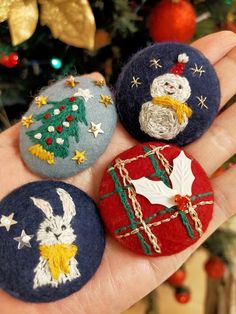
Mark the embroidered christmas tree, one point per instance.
(59, 123)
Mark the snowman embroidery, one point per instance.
(167, 114)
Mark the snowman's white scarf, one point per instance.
(181, 109)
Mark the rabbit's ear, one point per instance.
(68, 205)
(44, 206)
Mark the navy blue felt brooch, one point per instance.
(51, 241)
(169, 92)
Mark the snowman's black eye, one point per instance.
(180, 87)
(48, 229)
(63, 227)
(166, 84)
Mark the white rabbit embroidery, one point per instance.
(57, 263)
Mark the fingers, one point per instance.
(218, 144)
(95, 76)
(216, 46)
(225, 69)
(223, 56)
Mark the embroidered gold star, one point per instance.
(95, 129)
(41, 100)
(7, 221)
(27, 121)
(79, 157)
(100, 83)
(106, 100)
(71, 82)
(135, 82)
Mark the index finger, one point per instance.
(220, 49)
(216, 46)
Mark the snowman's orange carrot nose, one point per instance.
(180, 108)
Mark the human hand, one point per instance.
(124, 277)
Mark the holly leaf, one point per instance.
(155, 191)
(181, 176)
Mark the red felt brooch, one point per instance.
(156, 199)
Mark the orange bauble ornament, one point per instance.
(215, 267)
(177, 278)
(182, 295)
(172, 20)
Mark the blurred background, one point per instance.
(44, 40)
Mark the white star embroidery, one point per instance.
(7, 221)
(197, 70)
(135, 82)
(85, 93)
(24, 240)
(202, 101)
(155, 63)
(95, 129)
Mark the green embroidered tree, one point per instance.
(59, 123)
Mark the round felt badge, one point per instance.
(67, 127)
(155, 199)
(51, 241)
(169, 92)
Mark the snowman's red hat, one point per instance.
(179, 67)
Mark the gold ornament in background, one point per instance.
(22, 20)
(4, 9)
(22, 16)
(71, 21)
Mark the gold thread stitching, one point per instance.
(151, 152)
(135, 204)
(157, 223)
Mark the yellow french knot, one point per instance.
(38, 151)
(58, 257)
(180, 108)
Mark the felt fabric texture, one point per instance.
(120, 213)
(18, 266)
(93, 147)
(159, 60)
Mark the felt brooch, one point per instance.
(155, 199)
(67, 127)
(173, 94)
(48, 232)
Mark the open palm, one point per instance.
(124, 277)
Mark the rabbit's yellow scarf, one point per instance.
(180, 108)
(58, 257)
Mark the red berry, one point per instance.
(14, 59)
(49, 140)
(215, 267)
(177, 278)
(182, 201)
(59, 128)
(62, 107)
(4, 60)
(69, 118)
(71, 99)
(47, 116)
(182, 295)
